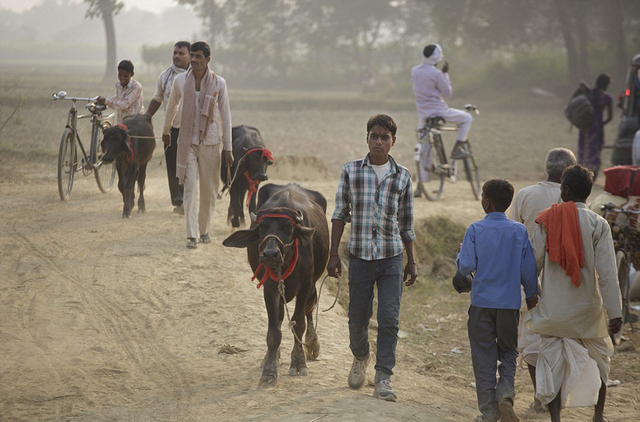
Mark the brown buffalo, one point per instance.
(289, 238)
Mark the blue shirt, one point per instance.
(499, 251)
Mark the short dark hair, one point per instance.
(201, 46)
(126, 65)
(428, 50)
(384, 121)
(183, 44)
(579, 179)
(499, 192)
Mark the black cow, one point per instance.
(131, 154)
(289, 217)
(251, 158)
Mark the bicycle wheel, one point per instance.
(430, 173)
(473, 176)
(623, 281)
(105, 173)
(67, 163)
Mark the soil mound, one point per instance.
(298, 168)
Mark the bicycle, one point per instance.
(68, 164)
(622, 233)
(431, 160)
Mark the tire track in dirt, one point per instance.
(121, 328)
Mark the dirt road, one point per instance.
(105, 319)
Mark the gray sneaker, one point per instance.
(358, 373)
(384, 391)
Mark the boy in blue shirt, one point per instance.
(498, 251)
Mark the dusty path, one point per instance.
(104, 319)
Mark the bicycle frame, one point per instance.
(89, 161)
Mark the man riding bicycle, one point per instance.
(429, 86)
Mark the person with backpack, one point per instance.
(591, 136)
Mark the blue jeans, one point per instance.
(363, 275)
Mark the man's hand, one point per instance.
(334, 266)
(101, 100)
(445, 67)
(615, 325)
(410, 271)
(531, 303)
(166, 139)
(228, 158)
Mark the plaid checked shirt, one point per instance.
(381, 215)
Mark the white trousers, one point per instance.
(203, 163)
(460, 118)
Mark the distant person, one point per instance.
(375, 196)
(525, 208)
(498, 251)
(128, 100)
(591, 139)
(580, 303)
(204, 102)
(429, 86)
(163, 91)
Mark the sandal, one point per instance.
(192, 243)
(205, 238)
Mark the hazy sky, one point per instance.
(150, 5)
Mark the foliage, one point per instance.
(155, 54)
(99, 8)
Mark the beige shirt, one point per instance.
(163, 90)
(128, 99)
(529, 201)
(222, 112)
(578, 312)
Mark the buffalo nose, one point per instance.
(262, 177)
(271, 255)
(107, 159)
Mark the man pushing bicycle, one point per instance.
(429, 86)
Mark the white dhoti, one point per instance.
(578, 366)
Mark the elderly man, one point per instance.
(204, 103)
(578, 308)
(526, 206)
(163, 91)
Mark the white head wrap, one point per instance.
(435, 57)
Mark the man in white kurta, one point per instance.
(575, 321)
(526, 206)
(202, 157)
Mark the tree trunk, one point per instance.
(614, 18)
(582, 36)
(570, 45)
(110, 34)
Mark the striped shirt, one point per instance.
(381, 214)
(128, 99)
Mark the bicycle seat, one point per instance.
(434, 122)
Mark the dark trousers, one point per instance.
(363, 276)
(176, 190)
(493, 335)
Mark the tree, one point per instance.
(106, 9)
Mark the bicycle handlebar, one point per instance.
(62, 95)
(612, 208)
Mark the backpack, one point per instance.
(580, 111)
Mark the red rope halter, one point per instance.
(268, 272)
(129, 157)
(253, 184)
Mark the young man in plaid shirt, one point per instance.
(375, 195)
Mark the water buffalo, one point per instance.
(289, 238)
(131, 146)
(251, 158)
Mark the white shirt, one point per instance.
(163, 90)
(381, 170)
(578, 312)
(529, 201)
(430, 84)
(128, 100)
(222, 112)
